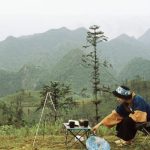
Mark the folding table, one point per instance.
(77, 134)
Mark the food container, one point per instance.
(81, 122)
(71, 124)
(86, 123)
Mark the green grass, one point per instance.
(54, 138)
(55, 142)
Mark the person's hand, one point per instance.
(96, 127)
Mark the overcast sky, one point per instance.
(24, 17)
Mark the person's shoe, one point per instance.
(122, 142)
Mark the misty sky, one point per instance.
(24, 17)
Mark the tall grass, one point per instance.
(44, 129)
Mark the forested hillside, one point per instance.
(28, 62)
(136, 68)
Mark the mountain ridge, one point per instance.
(52, 58)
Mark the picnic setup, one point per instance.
(80, 132)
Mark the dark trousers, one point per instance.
(126, 129)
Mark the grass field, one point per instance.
(58, 143)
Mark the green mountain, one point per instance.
(28, 77)
(71, 70)
(7, 82)
(68, 70)
(123, 49)
(136, 68)
(46, 49)
(145, 38)
(56, 55)
(43, 49)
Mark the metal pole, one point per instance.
(40, 119)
